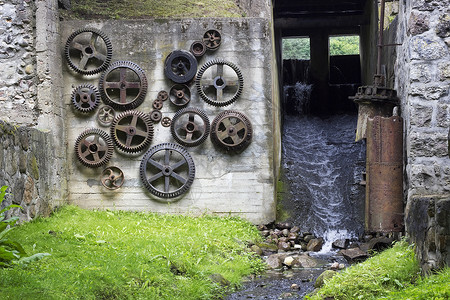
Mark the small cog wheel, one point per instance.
(198, 48)
(155, 115)
(112, 178)
(166, 121)
(167, 170)
(132, 131)
(94, 148)
(180, 66)
(88, 51)
(85, 98)
(105, 115)
(219, 82)
(180, 95)
(157, 104)
(123, 85)
(190, 126)
(212, 39)
(231, 131)
(162, 95)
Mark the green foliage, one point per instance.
(295, 48)
(12, 252)
(133, 9)
(129, 255)
(344, 45)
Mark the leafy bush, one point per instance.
(12, 252)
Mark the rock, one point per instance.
(268, 246)
(308, 237)
(284, 246)
(378, 243)
(443, 27)
(274, 261)
(354, 254)
(265, 233)
(261, 227)
(418, 23)
(295, 229)
(292, 236)
(218, 278)
(341, 244)
(315, 245)
(334, 266)
(256, 249)
(341, 266)
(288, 261)
(327, 275)
(285, 232)
(307, 261)
(295, 287)
(282, 226)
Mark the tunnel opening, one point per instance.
(322, 165)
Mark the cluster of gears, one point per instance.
(167, 170)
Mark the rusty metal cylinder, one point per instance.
(384, 175)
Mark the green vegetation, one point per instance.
(295, 48)
(344, 45)
(136, 9)
(391, 274)
(129, 255)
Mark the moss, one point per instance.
(34, 167)
(282, 214)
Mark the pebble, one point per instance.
(295, 287)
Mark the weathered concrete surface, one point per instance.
(224, 184)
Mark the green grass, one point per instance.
(135, 9)
(391, 274)
(126, 255)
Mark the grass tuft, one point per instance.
(130, 255)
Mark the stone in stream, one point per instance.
(354, 254)
(315, 245)
(295, 229)
(256, 249)
(308, 237)
(341, 244)
(284, 246)
(274, 261)
(326, 275)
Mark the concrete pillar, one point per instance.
(319, 70)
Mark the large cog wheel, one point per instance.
(88, 51)
(94, 148)
(85, 98)
(167, 170)
(123, 85)
(190, 126)
(222, 86)
(231, 131)
(132, 131)
(212, 39)
(180, 66)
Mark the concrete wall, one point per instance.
(422, 82)
(224, 184)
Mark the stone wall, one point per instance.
(224, 184)
(422, 82)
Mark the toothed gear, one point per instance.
(112, 178)
(162, 95)
(212, 39)
(198, 48)
(123, 85)
(166, 121)
(106, 115)
(180, 66)
(180, 95)
(231, 131)
(167, 170)
(155, 115)
(132, 131)
(190, 126)
(94, 148)
(85, 98)
(223, 87)
(86, 54)
(157, 104)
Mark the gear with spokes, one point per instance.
(166, 121)
(85, 98)
(180, 95)
(88, 51)
(132, 131)
(112, 178)
(180, 66)
(222, 86)
(212, 39)
(105, 115)
(231, 131)
(123, 85)
(156, 115)
(167, 170)
(94, 148)
(190, 126)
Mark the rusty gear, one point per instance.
(123, 85)
(155, 115)
(198, 48)
(212, 39)
(167, 170)
(190, 126)
(157, 104)
(86, 53)
(85, 98)
(162, 95)
(112, 178)
(180, 95)
(94, 148)
(132, 131)
(166, 121)
(222, 87)
(180, 66)
(231, 131)
(105, 115)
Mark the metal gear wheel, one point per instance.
(212, 39)
(155, 115)
(94, 147)
(180, 95)
(222, 86)
(112, 178)
(166, 121)
(123, 85)
(105, 115)
(157, 104)
(198, 48)
(190, 126)
(180, 66)
(231, 131)
(167, 170)
(132, 131)
(162, 95)
(85, 98)
(88, 51)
